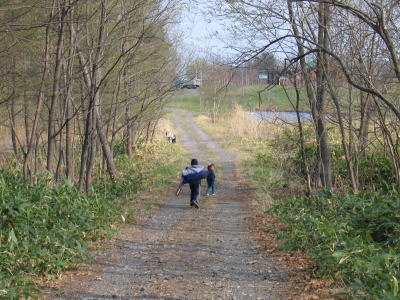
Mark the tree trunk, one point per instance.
(307, 81)
(112, 170)
(32, 142)
(306, 168)
(86, 146)
(349, 161)
(69, 149)
(322, 137)
(26, 118)
(14, 126)
(364, 123)
(91, 84)
(91, 157)
(51, 130)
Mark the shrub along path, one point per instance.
(184, 253)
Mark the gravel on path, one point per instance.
(187, 253)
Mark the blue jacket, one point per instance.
(192, 169)
(194, 176)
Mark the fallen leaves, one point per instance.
(303, 282)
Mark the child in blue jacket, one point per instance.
(211, 180)
(193, 175)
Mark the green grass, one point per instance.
(45, 227)
(191, 103)
(273, 99)
(247, 97)
(354, 239)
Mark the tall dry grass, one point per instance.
(242, 126)
(5, 137)
(239, 125)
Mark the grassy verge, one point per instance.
(191, 103)
(274, 99)
(247, 97)
(46, 227)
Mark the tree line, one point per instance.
(345, 64)
(81, 80)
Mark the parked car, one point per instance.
(188, 83)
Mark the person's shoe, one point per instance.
(213, 194)
(178, 190)
(208, 194)
(191, 203)
(196, 204)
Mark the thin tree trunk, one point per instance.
(59, 164)
(112, 170)
(69, 150)
(349, 161)
(306, 168)
(85, 146)
(91, 83)
(364, 123)
(14, 126)
(91, 157)
(26, 118)
(70, 119)
(322, 137)
(51, 138)
(307, 80)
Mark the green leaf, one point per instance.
(395, 285)
(12, 238)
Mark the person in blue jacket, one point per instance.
(193, 175)
(210, 180)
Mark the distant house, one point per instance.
(298, 79)
(251, 76)
(283, 80)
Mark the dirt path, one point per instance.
(184, 253)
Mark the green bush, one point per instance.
(353, 239)
(44, 227)
(377, 171)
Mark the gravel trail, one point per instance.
(184, 253)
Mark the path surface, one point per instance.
(184, 253)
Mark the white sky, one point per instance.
(203, 34)
(200, 34)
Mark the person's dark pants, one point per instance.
(210, 187)
(194, 191)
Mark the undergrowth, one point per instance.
(45, 227)
(354, 239)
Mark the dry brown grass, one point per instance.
(242, 126)
(239, 125)
(164, 125)
(5, 137)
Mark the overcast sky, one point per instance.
(200, 33)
